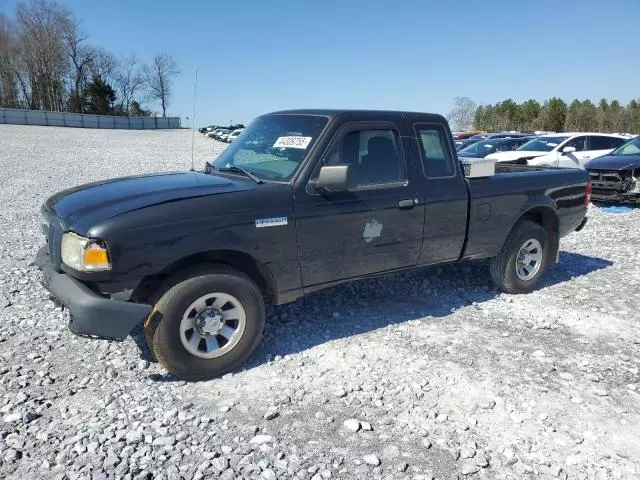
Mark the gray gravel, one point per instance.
(425, 375)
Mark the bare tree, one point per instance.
(463, 113)
(81, 57)
(449, 116)
(616, 116)
(103, 65)
(158, 78)
(129, 80)
(8, 88)
(41, 25)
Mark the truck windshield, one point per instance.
(630, 148)
(273, 146)
(542, 144)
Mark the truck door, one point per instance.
(443, 192)
(377, 224)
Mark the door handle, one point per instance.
(407, 203)
(586, 156)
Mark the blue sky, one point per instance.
(257, 56)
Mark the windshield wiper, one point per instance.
(235, 168)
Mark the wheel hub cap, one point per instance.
(212, 325)
(529, 260)
(209, 322)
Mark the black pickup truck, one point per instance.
(300, 201)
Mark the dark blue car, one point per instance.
(616, 177)
(482, 148)
(460, 144)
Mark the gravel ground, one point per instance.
(431, 374)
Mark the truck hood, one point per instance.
(514, 155)
(614, 162)
(108, 198)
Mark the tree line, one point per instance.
(48, 63)
(552, 115)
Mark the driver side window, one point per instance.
(374, 156)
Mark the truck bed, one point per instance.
(496, 202)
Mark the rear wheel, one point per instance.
(207, 325)
(522, 260)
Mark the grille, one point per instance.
(613, 176)
(609, 182)
(601, 192)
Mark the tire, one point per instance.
(504, 268)
(169, 339)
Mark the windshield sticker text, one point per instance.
(271, 222)
(292, 142)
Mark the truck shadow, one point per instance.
(365, 305)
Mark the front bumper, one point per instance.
(631, 197)
(90, 313)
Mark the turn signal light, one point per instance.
(95, 255)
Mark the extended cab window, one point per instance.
(374, 156)
(436, 159)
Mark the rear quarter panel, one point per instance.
(498, 202)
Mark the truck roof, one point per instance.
(363, 113)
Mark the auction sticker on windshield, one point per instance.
(292, 142)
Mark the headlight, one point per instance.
(84, 254)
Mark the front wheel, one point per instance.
(206, 326)
(522, 260)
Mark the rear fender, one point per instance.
(542, 210)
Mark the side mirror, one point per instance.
(333, 178)
(568, 149)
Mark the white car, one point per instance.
(233, 135)
(215, 133)
(224, 136)
(567, 150)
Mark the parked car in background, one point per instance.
(219, 133)
(488, 146)
(233, 135)
(483, 136)
(460, 144)
(224, 136)
(567, 150)
(536, 147)
(465, 135)
(616, 177)
(211, 133)
(217, 130)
